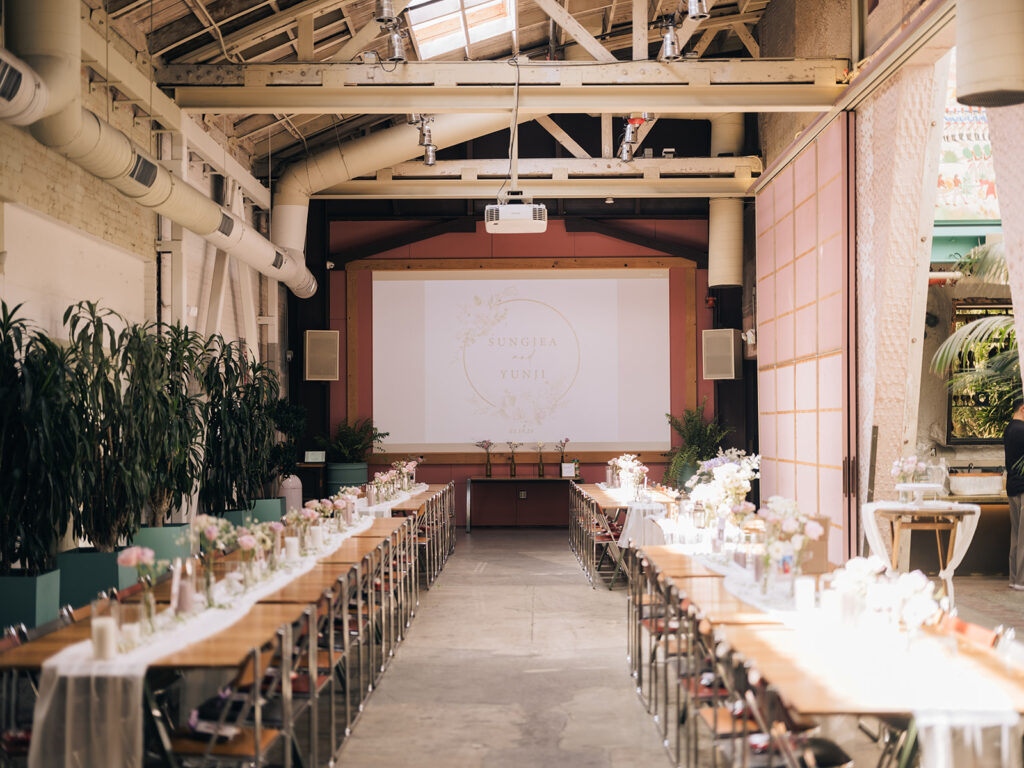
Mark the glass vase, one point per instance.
(512, 466)
(487, 465)
(148, 611)
(249, 574)
(540, 465)
(209, 579)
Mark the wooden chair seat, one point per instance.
(722, 722)
(185, 742)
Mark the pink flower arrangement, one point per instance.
(311, 504)
(133, 557)
(310, 515)
(276, 527)
(247, 542)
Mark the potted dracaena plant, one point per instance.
(239, 433)
(39, 441)
(173, 435)
(116, 382)
(700, 440)
(347, 451)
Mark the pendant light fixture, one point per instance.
(396, 45)
(697, 9)
(669, 42)
(385, 12)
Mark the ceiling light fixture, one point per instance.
(429, 154)
(669, 43)
(697, 9)
(396, 45)
(626, 152)
(385, 12)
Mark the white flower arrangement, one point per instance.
(721, 484)
(907, 469)
(787, 532)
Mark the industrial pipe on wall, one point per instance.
(40, 88)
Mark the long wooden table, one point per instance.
(797, 662)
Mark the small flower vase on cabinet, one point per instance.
(487, 465)
(512, 466)
(540, 465)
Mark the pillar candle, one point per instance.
(104, 637)
(186, 597)
(803, 593)
(291, 548)
(317, 537)
(131, 635)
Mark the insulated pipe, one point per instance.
(727, 134)
(361, 157)
(989, 65)
(23, 94)
(40, 86)
(725, 241)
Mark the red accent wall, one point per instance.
(555, 243)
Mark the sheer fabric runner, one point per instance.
(89, 713)
(964, 531)
(384, 508)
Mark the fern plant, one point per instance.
(700, 441)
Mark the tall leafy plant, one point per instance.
(115, 380)
(700, 441)
(989, 344)
(177, 417)
(239, 428)
(352, 442)
(39, 442)
(290, 421)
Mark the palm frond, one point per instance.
(986, 263)
(974, 337)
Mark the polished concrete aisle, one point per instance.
(512, 660)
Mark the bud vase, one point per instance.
(209, 579)
(540, 465)
(512, 466)
(487, 465)
(149, 611)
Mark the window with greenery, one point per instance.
(972, 404)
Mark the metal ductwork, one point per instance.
(725, 214)
(39, 86)
(362, 157)
(989, 64)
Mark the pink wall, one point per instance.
(802, 245)
(686, 388)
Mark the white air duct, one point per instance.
(727, 134)
(46, 36)
(362, 157)
(725, 241)
(989, 63)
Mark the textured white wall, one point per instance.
(896, 147)
(1007, 131)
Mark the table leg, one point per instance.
(952, 542)
(151, 714)
(897, 531)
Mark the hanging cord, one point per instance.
(513, 143)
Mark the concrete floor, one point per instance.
(512, 660)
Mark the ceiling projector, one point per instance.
(515, 218)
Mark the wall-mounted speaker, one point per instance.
(322, 351)
(723, 353)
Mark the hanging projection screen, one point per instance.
(531, 356)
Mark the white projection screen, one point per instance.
(531, 356)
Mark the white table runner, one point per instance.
(89, 713)
(964, 531)
(383, 509)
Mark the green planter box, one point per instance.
(163, 540)
(261, 511)
(340, 475)
(33, 600)
(85, 572)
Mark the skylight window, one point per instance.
(442, 26)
